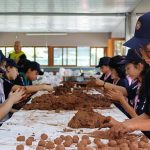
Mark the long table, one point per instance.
(37, 122)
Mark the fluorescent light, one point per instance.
(40, 34)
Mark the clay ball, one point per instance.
(68, 143)
(89, 148)
(112, 143)
(62, 137)
(31, 138)
(85, 137)
(39, 148)
(96, 140)
(21, 138)
(44, 136)
(68, 137)
(60, 147)
(80, 146)
(29, 141)
(58, 141)
(75, 139)
(41, 143)
(84, 142)
(50, 145)
(20, 147)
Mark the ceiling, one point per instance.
(64, 15)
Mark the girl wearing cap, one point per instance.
(104, 68)
(141, 122)
(136, 68)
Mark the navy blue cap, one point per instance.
(104, 61)
(35, 66)
(132, 55)
(2, 57)
(142, 33)
(11, 63)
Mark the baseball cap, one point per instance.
(104, 61)
(35, 66)
(142, 33)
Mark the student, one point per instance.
(104, 68)
(29, 73)
(118, 71)
(141, 39)
(12, 73)
(136, 68)
(2, 63)
(17, 53)
(140, 42)
(6, 105)
(141, 122)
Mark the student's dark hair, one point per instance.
(120, 68)
(142, 75)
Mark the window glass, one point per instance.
(41, 55)
(83, 56)
(29, 52)
(93, 56)
(57, 56)
(9, 50)
(100, 53)
(71, 56)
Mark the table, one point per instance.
(35, 121)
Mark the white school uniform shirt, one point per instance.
(2, 100)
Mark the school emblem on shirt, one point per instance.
(138, 25)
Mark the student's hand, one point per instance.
(114, 94)
(95, 83)
(110, 122)
(16, 96)
(47, 87)
(120, 129)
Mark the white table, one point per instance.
(35, 121)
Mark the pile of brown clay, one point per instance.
(77, 100)
(87, 118)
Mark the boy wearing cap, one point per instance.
(12, 73)
(104, 68)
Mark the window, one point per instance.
(65, 56)
(71, 56)
(29, 52)
(9, 50)
(58, 56)
(83, 56)
(96, 54)
(41, 55)
(119, 49)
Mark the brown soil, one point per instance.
(87, 119)
(68, 101)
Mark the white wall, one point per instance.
(72, 39)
